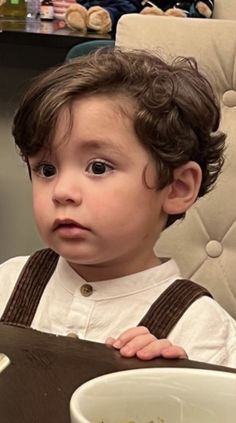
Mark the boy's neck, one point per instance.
(104, 271)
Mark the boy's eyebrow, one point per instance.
(100, 145)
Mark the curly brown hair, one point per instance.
(176, 114)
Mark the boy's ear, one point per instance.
(183, 191)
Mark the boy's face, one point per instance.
(92, 198)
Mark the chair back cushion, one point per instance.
(224, 9)
(204, 243)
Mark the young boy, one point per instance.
(118, 145)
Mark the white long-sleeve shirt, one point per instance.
(206, 331)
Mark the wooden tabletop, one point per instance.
(46, 369)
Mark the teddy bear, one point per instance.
(101, 16)
(185, 8)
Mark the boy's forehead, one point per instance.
(118, 138)
(99, 108)
(119, 102)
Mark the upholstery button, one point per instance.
(72, 335)
(214, 248)
(86, 290)
(229, 98)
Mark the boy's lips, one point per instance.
(68, 225)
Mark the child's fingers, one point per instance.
(136, 344)
(110, 341)
(174, 351)
(161, 348)
(153, 349)
(138, 341)
(128, 335)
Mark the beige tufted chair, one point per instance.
(224, 9)
(204, 243)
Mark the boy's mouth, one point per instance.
(67, 224)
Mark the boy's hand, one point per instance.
(141, 343)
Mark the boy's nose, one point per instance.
(66, 191)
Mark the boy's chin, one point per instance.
(79, 258)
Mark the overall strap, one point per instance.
(165, 312)
(24, 300)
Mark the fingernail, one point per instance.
(117, 344)
(127, 351)
(109, 340)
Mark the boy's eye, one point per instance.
(46, 170)
(99, 167)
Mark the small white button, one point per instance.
(214, 248)
(72, 335)
(229, 98)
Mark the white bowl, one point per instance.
(158, 395)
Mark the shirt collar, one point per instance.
(124, 286)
